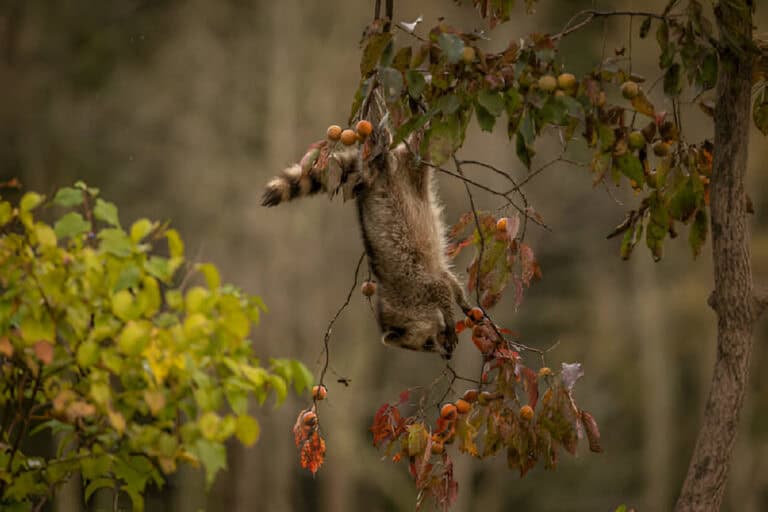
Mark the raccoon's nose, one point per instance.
(429, 344)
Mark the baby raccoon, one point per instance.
(402, 229)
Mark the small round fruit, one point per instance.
(364, 128)
(470, 395)
(566, 81)
(348, 137)
(630, 90)
(448, 411)
(545, 371)
(559, 93)
(468, 55)
(334, 132)
(319, 392)
(476, 314)
(661, 148)
(368, 288)
(526, 412)
(438, 447)
(501, 224)
(636, 140)
(309, 418)
(547, 83)
(460, 326)
(462, 406)
(468, 322)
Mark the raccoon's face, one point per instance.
(426, 331)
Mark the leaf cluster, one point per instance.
(135, 359)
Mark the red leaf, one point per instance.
(593, 432)
(531, 385)
(313, 453)
(44, 351)
(527, 262)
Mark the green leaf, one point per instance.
(442, 139)
(45, 236)
(629, 165)
(175, 244)
(159, 267)
(607, 136)
(30, 201)
(68, 197)
(88, 354)
(485, 119)
(213, 455)
(708, 71)
(416, 83)
(645, 27)
(493, 102)
(302, 377)
(513, 101)
(34, 330)
(760, 115)
(247, 430)
(278, 385)
(115, 242)
(448, 104)
(71, 225)
(129, 277)
(684, 201)
(554, 111)
(134, 337)
(698, 234)
(140, 229)
(410, 126)
(392, 84)
(6, 212)
(211, 273)
(95, 485)
(673, 80)
(452, 46)
(372, 52)
(106, 212)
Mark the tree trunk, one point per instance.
(733, 299)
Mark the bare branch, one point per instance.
(590, 15)
(327, 336)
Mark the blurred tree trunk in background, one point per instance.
(651, 333)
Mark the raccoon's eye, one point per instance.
(393, 334)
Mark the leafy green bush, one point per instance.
(106, 342)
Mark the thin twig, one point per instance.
(327, 337)
(590, 15)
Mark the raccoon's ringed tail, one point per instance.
(291, 185)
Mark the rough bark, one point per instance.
(733, 298)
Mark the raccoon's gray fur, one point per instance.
(404, 238)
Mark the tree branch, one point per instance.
(591, 15)
(327, 336)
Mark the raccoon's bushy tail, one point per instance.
(302, 180)
(291, 184)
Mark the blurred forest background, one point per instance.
(183, 109)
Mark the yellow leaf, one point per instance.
(117, 421)
(45, 235)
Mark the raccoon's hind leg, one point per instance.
(458, 292)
